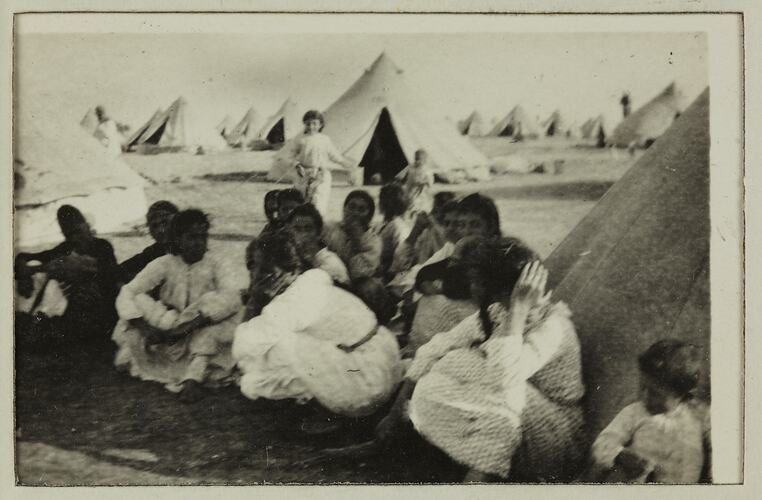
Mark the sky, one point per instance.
(132, 74)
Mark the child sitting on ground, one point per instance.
(662, 438)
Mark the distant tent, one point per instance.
(517, 124)
(285, 124)
(55, 164)
(89, 121)
(473, 125)
(225, 126)
(380, 121)
(595, 129)
(636, 269)
(246, 130)
(178, 129)
(554, 126)
(132, 141)
(645, 125)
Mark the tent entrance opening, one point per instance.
(384, 154)
(507, 131)
(156, 136)
(277, 134)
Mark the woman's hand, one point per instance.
(530, 287)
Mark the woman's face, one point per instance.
(356, 209)
(158, 225)
(467, 224)
(449, 221)
(271, 207)
(285, 208)
(653, 395)
(477, 289)
(312, 126)
(304, 230)
(192, 244)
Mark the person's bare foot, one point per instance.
(191, 392)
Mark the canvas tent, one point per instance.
(554, 126)
(473, 125)
(594, 129)
(246, 130)
(636, 268)
(380, 122)
(89, 122)
(225, 126)
(179, 129)
(131, 143)
(650, 121)
(517, 124)
(284, 124)
(55, 164)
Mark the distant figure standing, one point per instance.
(107, 132)
(625, 102)
(313, 153)
(418, 181)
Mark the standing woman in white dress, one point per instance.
(314, 153)
(317, 342)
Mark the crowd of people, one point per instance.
(431, 322)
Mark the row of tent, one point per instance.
(379, 122)
(640, 129)
(653, 223)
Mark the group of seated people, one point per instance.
(435, 323)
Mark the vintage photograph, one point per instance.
(277, 254)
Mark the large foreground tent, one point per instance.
(246, 130)
(55, 164)
(473, 125)
(284, 124)
(179, 129)
(380, 122)
(517, 124)
(636, 268)
(650, 121)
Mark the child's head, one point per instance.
(288, 199)
(271, 205)
(74, 226)
(305, 224)
(392, 201)
(359, 205)
(421, 156)
(313, 121)
(670, 371)
(441, 199)
(189, 234)
(158, 217)
(478, 216)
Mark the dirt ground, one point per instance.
(78, 421)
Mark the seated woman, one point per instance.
(271, 212)
(353, 240)
(317, 342)
(158, 217)
(500, 392)
(76, 279)
(306, 226)
(394, 230)
(428, 235)
(278, 204)
(183, 339)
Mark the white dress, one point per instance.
(291, 350)
(316, 152)
(208, 287)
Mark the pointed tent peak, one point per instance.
(669, 89)
(384, 64)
